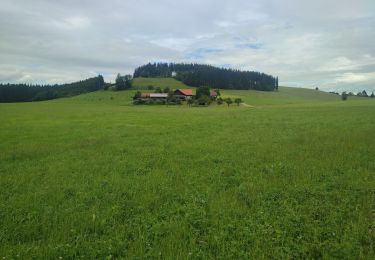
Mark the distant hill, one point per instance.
(285, 96)
(26, 93)
(197, 75)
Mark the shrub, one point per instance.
(190, 102)
(139, 102)
(137, 95)
(238, 101)
(203, 91)
(203, 100)
(344, 96)
(228, 101)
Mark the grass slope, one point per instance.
(93, 176)
(143, 83)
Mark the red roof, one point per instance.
(213, 93)
(185, 92)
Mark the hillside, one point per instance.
(93, 176)
(284, 96)
(28, 93)
(143, 83)
(202, 75)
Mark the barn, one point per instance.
(183, 94)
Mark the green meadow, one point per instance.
(289, 174)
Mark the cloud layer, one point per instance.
(329, 44)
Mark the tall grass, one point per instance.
(95, 177)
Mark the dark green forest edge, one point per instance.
(197, 75)
(27, 93)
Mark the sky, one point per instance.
(328, 44)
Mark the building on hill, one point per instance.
(213, 94)
(183, 94)
(154, 96)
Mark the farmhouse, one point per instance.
(183, 94)
(154, 96)
(213, 94)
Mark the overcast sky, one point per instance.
(324, 43)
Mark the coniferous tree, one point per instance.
(26, 93)
(205, 75)
(123, 82)
(202, 91)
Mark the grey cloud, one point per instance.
(305, 43)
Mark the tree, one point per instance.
(228, 101)
(372, 95)
(150, 87)
(203, 91)
(26, 93)
(219, 101)
(344, 96)
(316, 88)
(190, 102)
(203, 100)
(238, 101)
(277, 84)
(119, 82)
(158, 90)
(218, 92)
(137, 95)
(123, 82)
(166, 90)
(128, 81)
(206, 75)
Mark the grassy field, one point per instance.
(95, 177)
(144, 83)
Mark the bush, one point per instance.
(203, 101)
(139, 102)
(238, 101)
(137, 95)
(228, 101)
(190, 102)
(344, 96)
(203, 91)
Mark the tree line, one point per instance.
(198, 75)
(27, 93)
(344, 95)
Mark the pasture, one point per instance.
(95, 177)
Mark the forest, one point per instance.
(27, 93)
(197, 75)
